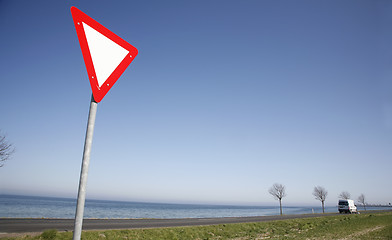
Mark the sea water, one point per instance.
(46, 207)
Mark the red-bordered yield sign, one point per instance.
(105, 54)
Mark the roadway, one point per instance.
(28, 225)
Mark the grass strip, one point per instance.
(362, 226)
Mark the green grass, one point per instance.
(363, 226)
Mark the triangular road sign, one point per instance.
(105, 54)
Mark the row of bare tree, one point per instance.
(278, 191)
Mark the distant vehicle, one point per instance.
(347, 206)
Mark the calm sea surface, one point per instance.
(45, 207)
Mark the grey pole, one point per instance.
(83, 174)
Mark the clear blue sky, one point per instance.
(224, 99)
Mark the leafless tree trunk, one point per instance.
(6, 150)
(278, 191)
(321, 194)
(345, 195)
(361, 199)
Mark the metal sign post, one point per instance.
(106, 56)
(83, 174)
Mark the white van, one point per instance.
(347, 206)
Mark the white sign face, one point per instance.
(105, 54)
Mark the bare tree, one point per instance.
(361, 199)
(6, 150)
(345, 195)
(321, 194)
(278, 191)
